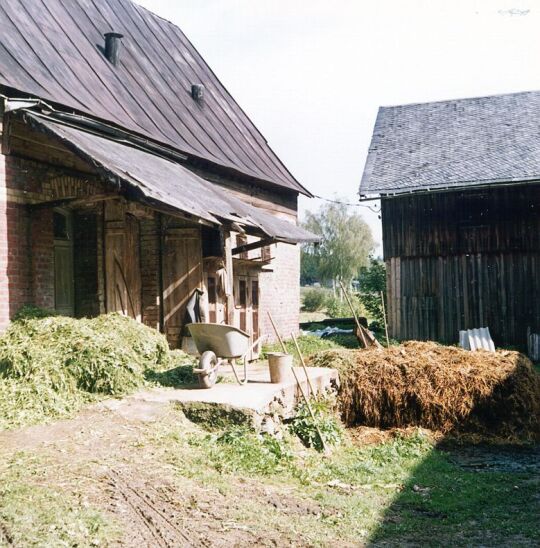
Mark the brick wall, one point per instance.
(26, 238)
(41, 258)
(280, 291)
(15, 285)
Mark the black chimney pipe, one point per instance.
(112, 46)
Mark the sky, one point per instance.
(311, 74)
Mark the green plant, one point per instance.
(305, 427)
(52, 365)
(337, 308)
(372, 283)
(309, 345)
(314, 300)
(30, 312)
(241, 449)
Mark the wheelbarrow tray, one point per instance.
(225, 341)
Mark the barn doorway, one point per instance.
(64, 283)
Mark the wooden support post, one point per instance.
(227, 246)
(384, 318)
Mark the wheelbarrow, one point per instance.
(217, 344)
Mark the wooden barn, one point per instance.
(130, 179)
(459, 184)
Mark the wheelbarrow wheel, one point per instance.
(208, 362)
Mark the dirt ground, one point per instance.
(105, 454)
(116, 459)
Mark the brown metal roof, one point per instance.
(159, 181)
(53, 49)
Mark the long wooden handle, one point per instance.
(360, 327)
(299, 384)
(303, 364)
(284, 348)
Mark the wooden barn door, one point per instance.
(122, 261)
(64, 286)
(216, 304)
(246, 302)
(182, 274)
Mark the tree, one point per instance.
(346, 242)
(309, 266)
(372, 281)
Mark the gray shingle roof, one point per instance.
(458, 143)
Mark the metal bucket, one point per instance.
(280, 365)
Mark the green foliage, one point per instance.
(305, 427)
(314, 300)
(178, 371)
(52, 365)
(372, 282)
(309, 266)
(346, 242)
(337, 308)
(36, 514)
(30, 312)
(239, 449)
(309, 344)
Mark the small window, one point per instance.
(241, 240)
(255, 293)
(266, 253)
(60, 226)
(243, 290)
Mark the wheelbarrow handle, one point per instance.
(258, 341)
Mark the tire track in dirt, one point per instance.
(150, 516)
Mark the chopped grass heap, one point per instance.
(438, 387)
(50, 366)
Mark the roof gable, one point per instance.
(449, 144)
(52, 49)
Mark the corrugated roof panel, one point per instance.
(170, 184)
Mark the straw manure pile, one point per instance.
(438, 387)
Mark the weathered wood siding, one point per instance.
(460, 260)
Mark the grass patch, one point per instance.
(403, 491)
(33, 513)
(309, 344)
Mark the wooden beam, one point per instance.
(5, 130)
(75, 201)
(227, 245)
(255, 245)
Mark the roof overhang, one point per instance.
(465, 186)
(160, 182)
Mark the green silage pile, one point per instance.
(51, 366)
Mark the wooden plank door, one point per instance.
(182, 274)
(122, 265)
(216, 305)
(247, 307)
(64, 284)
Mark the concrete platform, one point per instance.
(251, 402)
